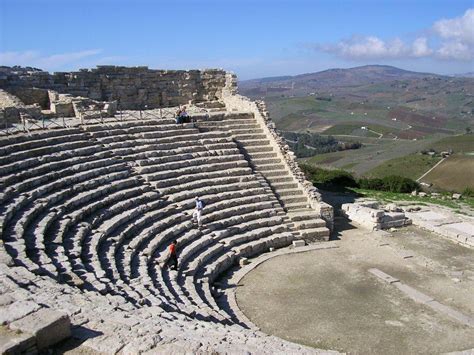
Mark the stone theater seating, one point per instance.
(87, 213)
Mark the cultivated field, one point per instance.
(454, 174)
(394, 119)
(411, 166)
(371, 155)
(459, 144)
(344, 116)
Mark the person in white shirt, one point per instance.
(197, 214)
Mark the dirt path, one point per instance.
(426, 173)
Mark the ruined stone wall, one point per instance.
(133, 87)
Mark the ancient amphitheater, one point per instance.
(97, 179)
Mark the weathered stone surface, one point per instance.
(17, 310)
(86, 227)
(460, 317)
(370, 215)
(133, 87)
(13, 343)
(48, 326)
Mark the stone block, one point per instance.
(243, 261)
(47, 325)
(298, 243)
(392, 207)
(383, 276)
(377, 214)
(62, 109)
(108, 344)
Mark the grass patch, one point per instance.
(411, 166)
(394, 197)
(464, 143)
(354, 128)
(453, 174)
(348, 166)
(293, 122)
(326, 158)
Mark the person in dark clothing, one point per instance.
(172, 260)
(182, 116)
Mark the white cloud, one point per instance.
(459, 28)
(455, 50)
(48, 62)
(455, 38)
(420, 48)
(372, 47)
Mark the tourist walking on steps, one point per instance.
(172, 256)
(197, 215)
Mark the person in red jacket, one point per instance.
(172, 256)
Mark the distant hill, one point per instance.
(393, 113)
(331, 78)
(464, 75)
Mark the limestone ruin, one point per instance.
(89, 208)
(374, 216)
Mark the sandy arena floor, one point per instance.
(328, 299)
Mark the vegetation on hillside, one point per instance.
(391, 183)
(341, 179)
(458, 144)
(454, 174)
(309, 144)
(442, 200)
(329, 179)
(410, 166)
(396, 115)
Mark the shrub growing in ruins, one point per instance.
(371, 184)
(468, 192)
(326, 178)
(393, 183)
(329, 178)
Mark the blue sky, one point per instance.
(252, 38)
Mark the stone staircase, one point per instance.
(265, 161)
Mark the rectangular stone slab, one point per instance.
(298, 243)
(462, 227)
(47, 325)
(415, 295)
(430, 216)
(460, 317)
(383, 276)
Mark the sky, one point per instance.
(254, 39)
